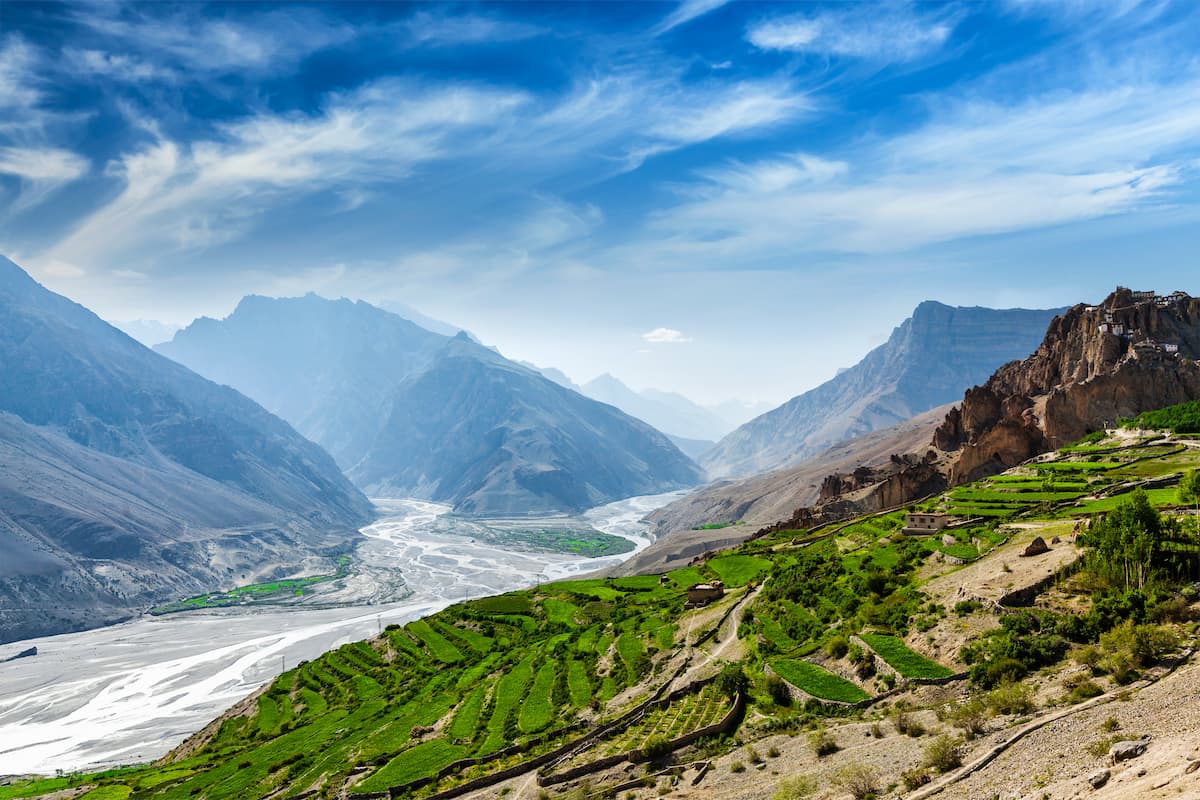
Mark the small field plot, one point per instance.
(908, 663)
(818, 682)
(416, 762)
(689, 713)
(502, 604)
(739, 570)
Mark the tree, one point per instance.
(732, 681)
(1127, 539)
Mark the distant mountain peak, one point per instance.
(928, 360)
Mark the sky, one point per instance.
(721, 199)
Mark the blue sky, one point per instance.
(723, 199)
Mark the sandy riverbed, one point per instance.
(131, 692)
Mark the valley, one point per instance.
(131, 692)
(849, 652)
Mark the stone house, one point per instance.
(922, 524)
(701, 594)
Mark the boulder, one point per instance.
(1124, 751)
(948, 539)
(1098, 778)
(1036, 547)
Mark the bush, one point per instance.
(656, 747)
(970, 717)
(822, 743)
(837, 647)
(943, 754)
(732, 681)
(1084, 691)
(1146, 644)
(904, 722)
(1012, 698)
(861, 781)
(915, 778)
(966, 607)
(777, 690)
(737, 766)
(795, 788)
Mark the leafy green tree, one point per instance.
(1126, 540)
(1189, 488)
(732, 681)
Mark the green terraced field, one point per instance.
(900, 658)
(739, 570)
(816, 681)
(417, 762)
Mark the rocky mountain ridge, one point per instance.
(1134, 352)
(126, 479)
(409, 412)
(929, 360)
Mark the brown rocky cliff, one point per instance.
(1130, 354)
(1134, 352)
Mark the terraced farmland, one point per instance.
(900, 658)
(818, 682)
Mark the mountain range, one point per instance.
(126, 479)
(409, 412)
(928, 360)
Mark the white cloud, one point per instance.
(196, 41)
(41, 171)
(977, 169)
(440, 30)
(866, 32)
(209, 192)
(665, 336)
(685, 12)
(118, 66)
(18, 69)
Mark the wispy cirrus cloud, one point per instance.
(206, 192)
(665, 336)
(428, 28)
(979, 168)
(685, 12)
(40, 170)
(869, 32)
(188, 38)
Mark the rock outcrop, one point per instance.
(928, 361)
(1132, 353)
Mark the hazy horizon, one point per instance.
(725, 200)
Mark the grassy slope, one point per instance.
(479, 676)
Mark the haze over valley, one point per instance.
(574, 400)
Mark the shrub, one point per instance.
(656, 747)
(752, 756)
(1084, 691)
(1012, 698)
(794, 788)
(876, 731)
(861, 781)
(1146, 644)
(772, 752)
(822, 743)
(970, 717)
(904, 722)
(943, 754)
(915, 778)
(1109, 725)
(732, 681)
(966, 607)
(737, 766)
(837, 647)
(777, 690)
